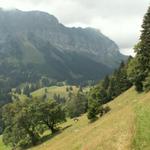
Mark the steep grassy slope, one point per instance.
(115, 131)
(142, 134)
(125, 127)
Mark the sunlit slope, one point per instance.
(114, 131)
(125, 127)
(50, 91)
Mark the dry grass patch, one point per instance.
(113, 131)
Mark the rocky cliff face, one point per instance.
(38, 44)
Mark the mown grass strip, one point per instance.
(142, 131)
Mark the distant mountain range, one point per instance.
(34, 44)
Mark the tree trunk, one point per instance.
(33, 136)
(51, 127)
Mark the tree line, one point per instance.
(107, 90)
(139, 67)
(135, 72)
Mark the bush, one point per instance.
(76, 105)
(24, 123)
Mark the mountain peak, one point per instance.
(38, 40)
(31, 17)
(93, 29)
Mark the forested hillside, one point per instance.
(116, 111)
(135, 72)
(34, 45)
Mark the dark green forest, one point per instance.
(136, 72)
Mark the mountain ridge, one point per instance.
(36, 42)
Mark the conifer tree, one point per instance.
(143, 53)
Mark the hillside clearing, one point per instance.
(52, 90)
(61, 90)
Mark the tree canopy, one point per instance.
(25, 120)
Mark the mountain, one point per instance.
(34, 44)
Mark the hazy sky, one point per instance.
(118, 19)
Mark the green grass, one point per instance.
(61, 90)
(111, 132)
(125, 127)
(2, 146)
(142, 134)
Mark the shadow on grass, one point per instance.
(50, 136)
(93, 120)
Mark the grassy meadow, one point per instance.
(125, 127)
(52, 90)
(117, 130)
(61, 90)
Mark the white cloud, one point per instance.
(128, 51)
(119, 19)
